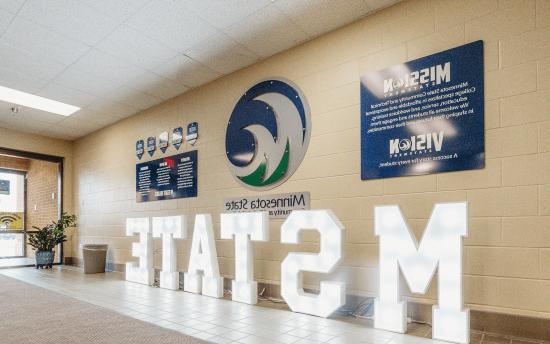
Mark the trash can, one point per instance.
(94, 258)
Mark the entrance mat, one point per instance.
(33, 315)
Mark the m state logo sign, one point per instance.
(400, 255)
(267, 134)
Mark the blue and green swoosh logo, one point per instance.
(267, 134)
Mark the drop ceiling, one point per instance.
(114, 58)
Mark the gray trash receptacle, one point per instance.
(94, 258)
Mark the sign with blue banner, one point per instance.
(4, 187)
(424, 116)
(192, 133)
(151, 145)
(177, 137)
(167, 178)
(139, 148)
(163, 141)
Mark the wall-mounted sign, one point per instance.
(167, 178)
(11, 220)
(424, 116)
(151, 145)
(163, 141)
(277, 206)
(4, 187)
(192, 133)
(177, 137)
(439, 249)
(267, 134)
(139, 148)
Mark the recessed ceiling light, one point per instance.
(30, 100)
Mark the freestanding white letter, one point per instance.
(441, 245)
(169, 228)
(332, 294)
(144, 272)
(245, 227)
(204, 258)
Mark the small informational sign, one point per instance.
(139, 148)
(163, 141)
(278, 206)
(167, 178)
(424, 116)
(177, 137)
(4, 187)
(151, 145)
(192, 133)
(11, 221)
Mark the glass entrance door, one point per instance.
(12, 213)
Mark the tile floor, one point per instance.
(217, 320)
(13, 262)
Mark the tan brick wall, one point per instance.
(39, 144)
(42, 207)
(507, 255)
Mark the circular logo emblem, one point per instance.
(267, 134)
(404, 144)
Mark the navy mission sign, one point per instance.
(424, 116)
(167, 178)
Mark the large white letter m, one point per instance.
(441, 246)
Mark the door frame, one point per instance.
(24, 231)
(44, 157)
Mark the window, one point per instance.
(12, 213)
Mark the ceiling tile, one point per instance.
(119, 10)
(20, 81)
(223, 54)
(100, 119)
(39, 42)
(80, 123)
(59, 132)
(187, 71)
(27, 115)
(5, 20)
(71, 18)
(66, 95)
(106, 108)
(22, 62)
(267, 32)
(134, 47)
(319, 16)
(6, 115)
(172, 23)
(11, 5)
(79, 127)
(157, 86)
(115, 58)
(32, 128)
(223, 13)
(101, 65)
(134, 98)
(87, 82)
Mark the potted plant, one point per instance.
(48, 237)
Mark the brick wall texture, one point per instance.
(42, 180)
(507, 254)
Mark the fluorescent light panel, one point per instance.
(30, 100)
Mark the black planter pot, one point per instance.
(44, 259)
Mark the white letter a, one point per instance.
(203, 258)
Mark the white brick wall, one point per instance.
(507, 256)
